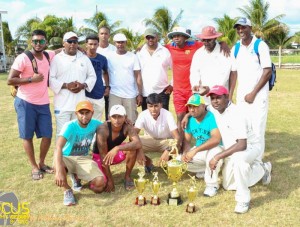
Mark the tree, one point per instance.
(134, 40)
(9, 44)
(257, 12)
(162, 21)
(24, 31)
(98, 20)
(225, 25)
(280, 39)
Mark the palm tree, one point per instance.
(257, 12)
(280, 39)
(24, 31)
(225, 25)
(8, 40)
(134, 40)
(98, 20)
(162, 21)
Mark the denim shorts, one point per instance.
(33, 118)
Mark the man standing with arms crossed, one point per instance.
(32, 101)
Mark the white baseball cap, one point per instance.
(69, 35)
(242, 21)
(119, 37)
(117, 110)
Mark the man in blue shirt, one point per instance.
(203, 127)
(100, 65)
(71, 155)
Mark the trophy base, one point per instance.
(190, 208)
(155, 201)
(140, 201)
(174, 201)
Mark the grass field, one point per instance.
(273, 205)
(293, 59)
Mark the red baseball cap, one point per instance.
(218, 90)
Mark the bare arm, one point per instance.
(60, 172)
(106, 80)
(139, 82)
(232, 83)
(261, 83)
(15, 80)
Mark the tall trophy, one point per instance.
(174, 170)
(140, 185)
(155, 186)
(191, 194)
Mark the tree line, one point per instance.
(272, 30)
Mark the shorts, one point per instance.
(128, 103)
(33, 119)
(180, 99)
(85, 168)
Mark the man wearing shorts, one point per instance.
(32, 101)
(111, 150)
(71, 155)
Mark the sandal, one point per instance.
(47, 169)
(37, 175)
(129, 185)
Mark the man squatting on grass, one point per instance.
(71, 155)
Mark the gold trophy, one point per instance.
(174, 170)
(155, 186)
(192, 194)
(140, 185)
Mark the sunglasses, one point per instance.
(207, 40)
(70, 41)
(40, 41)
(150, 37)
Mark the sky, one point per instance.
(196, 13)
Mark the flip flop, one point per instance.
(47, 169)
(129, 185)
(37, 175)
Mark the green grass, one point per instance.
(274, 205)
(292, 59)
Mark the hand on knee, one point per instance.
(98, 184)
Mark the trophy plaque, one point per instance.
(155, 186)
(191, 194)
(174, 170)
(140, 185)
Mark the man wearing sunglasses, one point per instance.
(32, 101)
(155, 60)
(211, 67)
(71, 73)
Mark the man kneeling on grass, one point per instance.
(72, 148)
(111, 150)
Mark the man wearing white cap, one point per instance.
(253, 71)
(71, 73)
(125, 78)
(210, 67)
(111, 150)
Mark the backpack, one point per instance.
(13, 90)
(272, 79)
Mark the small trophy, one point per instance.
(140, 186)
(174, 170)
(155, 186)
(192, 194)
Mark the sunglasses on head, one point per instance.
(40, 41)
(70, 41)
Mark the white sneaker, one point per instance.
(69, 198)
(210, 191)
(241, 208)
(266, 179)
(200, 175)
(76, 184)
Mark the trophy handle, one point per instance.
(163, 166)
(134, 181)
(184, 167)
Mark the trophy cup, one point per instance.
(192, 194)
(155, 186)
(174, 170)
(140, 186)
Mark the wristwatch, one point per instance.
(29, 79)
(107, 86)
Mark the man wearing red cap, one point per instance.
(71, 155)
(211, 67)
(242, 165)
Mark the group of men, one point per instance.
(113, 79)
